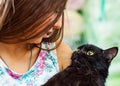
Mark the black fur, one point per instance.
(89, 67)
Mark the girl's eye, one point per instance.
(90, 53)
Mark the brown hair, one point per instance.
(28, 17)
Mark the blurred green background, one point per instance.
(95, 22)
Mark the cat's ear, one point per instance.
(110, 53)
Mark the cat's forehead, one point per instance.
(89, 47)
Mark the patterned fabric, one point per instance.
(45, 67)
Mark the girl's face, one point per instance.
(57, 25)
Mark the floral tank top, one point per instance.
(44, 68)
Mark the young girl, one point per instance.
(31, 46)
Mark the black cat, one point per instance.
(89, 67)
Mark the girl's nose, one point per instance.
(58, 24)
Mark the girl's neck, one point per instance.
(16, 56)
(13, 49)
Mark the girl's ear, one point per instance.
(110, 53)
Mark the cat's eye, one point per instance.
(90, 53)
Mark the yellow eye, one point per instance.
(89, 53)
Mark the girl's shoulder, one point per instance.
(64, 53)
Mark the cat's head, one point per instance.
(94, 56)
